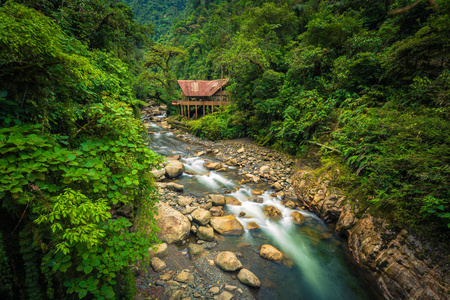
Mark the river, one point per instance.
(317, 264)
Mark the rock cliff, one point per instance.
(397, 260)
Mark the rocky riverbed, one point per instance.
(192, 262)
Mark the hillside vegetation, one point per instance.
(368, 79)
(73, 154)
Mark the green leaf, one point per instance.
(88, 269)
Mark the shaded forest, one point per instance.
(74, 160)
(369, 80)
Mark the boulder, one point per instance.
(158, 251)
(205, 233)
(195, 250)
(173, 157)
(177, 295)
(277, 186)
(232, 162)
(216, 211)
(174, 226)
(232, 201)
(225, 296)
(252, 226)
(174, 187)
(272, 212)
(298, 218)
(174, 169)
(248, 278)
(214, 290)
(227, 225)
(201, 216)
(210, 165)
(291, 204)
(217, 200)
(200, 153)
(264, 170)
(257, 192)
(227, 261)
(184, 200)
(271, 253)
(185, 277)
(157, 264)
(257, 200)
(158, 174)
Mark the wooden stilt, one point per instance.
(196, 116)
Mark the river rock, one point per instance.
(289, 203)
(185, 277)
(232, 162)
(232, 201)
(158, 174)
(205, 233)
(157, 264)
(277, 186)
(252, 226)
(227, 225)
(207, 205)
(271, 253)
(195, 250)
(227, 261)
(257, 200)
(173, 157)
(158, 251)
(241, 150)
(201, 216)
(272, 212)
(298, 218)
(217, 200)
(257, 192)
(210, 165)
(174, 186)
(188, 210)
(214, 290)
(200, 153)
(216, 211)
(177, 295)
(184, 200)
(174, 226)
(174, 169)
(225, 296)
(264, 169)
(248, 278)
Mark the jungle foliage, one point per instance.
(72, 152)
(370, 79)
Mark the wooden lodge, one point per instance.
(201, 95)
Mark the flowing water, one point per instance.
(316, 263)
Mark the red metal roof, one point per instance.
(201, 88)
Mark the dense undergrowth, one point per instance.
(369, 79)
(72, 150)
